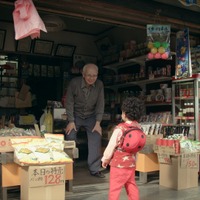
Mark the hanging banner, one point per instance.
(183, 56)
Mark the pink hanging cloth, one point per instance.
(27, 21)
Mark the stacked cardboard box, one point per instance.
(43, 182)
(177, 171)
(175, 177)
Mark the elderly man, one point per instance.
(85, 108)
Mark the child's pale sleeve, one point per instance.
(113, 142)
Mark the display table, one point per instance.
(146, 163)
(10, 176)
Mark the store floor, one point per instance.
(86, 187)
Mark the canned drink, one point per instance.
(177, 146)
(170, 143)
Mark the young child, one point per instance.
(122, 164)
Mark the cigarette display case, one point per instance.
(185, 103)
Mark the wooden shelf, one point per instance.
(139, 82)
(185, 118)
(126, 63)
(184, 98)
(158, 103)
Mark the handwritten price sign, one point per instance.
(46, 175)
(164, 158)
(53, 179)
(189, 160)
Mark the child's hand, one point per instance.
(104, 164)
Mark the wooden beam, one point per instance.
(108, 13)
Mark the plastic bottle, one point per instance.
(48, 122)
(42, 118)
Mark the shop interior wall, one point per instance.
(85, 45)
(47, 88)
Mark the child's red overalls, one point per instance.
(122, 173)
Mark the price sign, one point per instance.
(189, 160)
(164, 158)
(46, 175)
(53, 179)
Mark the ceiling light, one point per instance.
(53, 23)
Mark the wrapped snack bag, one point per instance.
(40, 151)
(158, 41)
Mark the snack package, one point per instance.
(40, 151)
(158, 41)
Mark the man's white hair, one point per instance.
(90, 65)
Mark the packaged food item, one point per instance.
(40, 151)
(158, 41)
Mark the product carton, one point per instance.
(43, 182)
(26, 103)
(150, 142)
(5, 144)
(151, 139)
(148, 148)
(165, 150)
(177, 176)
(58, 113)
(23, 92)
(147, 162)
(69, 144)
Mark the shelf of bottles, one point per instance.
(185, 104)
